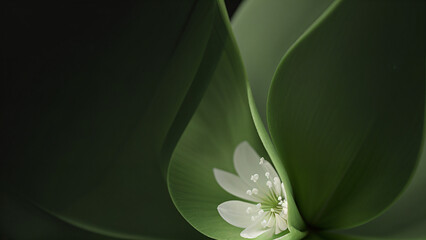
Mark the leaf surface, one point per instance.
(264, 31)
(346, 107)
(221, 122)
(406, 219)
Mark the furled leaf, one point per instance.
(295, 221)
(221, 122)
(346, 107)
(95, 97)
(264, 31)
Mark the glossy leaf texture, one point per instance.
(221, 122)
(264, 31)
(346, 107)
(95, 95)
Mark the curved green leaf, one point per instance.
(92, 94)
(264, 31)
(221, 122)
(295, 221)
(334, 236)
(405, 219)
(346, 107)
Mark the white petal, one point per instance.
(235, 213)
(256, 229)
(268, 234)
(284, 216)
(234, 185)
(271, 221)
(246, 162)
(277, 230)
(281, 223)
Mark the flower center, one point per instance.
(259, 183)
(272, 203)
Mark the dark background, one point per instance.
(232, 6)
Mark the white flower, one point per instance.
(258, 183)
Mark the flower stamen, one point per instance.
(271, 210)
(254, 177)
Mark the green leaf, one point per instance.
(346, 107)
(264, 31)
(221, 122)
(286, 21)
(405, 219)
(295, 220)
(96, 97)
(334, 236)
(328, 236)
(313, 237)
